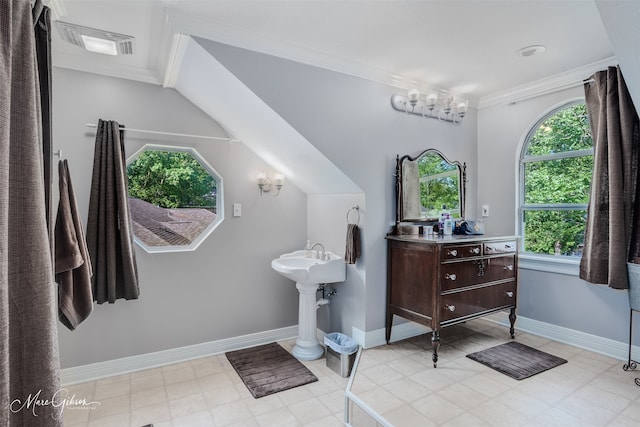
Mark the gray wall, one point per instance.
(558, 299)
(350, 120)
(226, 288)
(327, 223)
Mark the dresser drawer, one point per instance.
(499, 247)
(450, 252)
(472, 272)
(499, 268)
(467, 303)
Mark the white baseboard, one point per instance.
(399, 332)
(608, 347)
(125, 365)
(616, 349)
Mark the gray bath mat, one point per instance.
(516, 360)
(268, 369)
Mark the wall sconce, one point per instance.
(265, 183)
(434, 105)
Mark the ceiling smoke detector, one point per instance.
(531, 50)
(95, 40)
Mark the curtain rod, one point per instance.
(218, 138)
(553, 90)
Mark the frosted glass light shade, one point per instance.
(94, 44)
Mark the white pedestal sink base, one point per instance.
(307, 346)
(308, 273)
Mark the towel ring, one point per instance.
(356, 208)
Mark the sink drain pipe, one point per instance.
(326, 299)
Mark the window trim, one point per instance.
(219, 199)
(529, 260)
(549, 263)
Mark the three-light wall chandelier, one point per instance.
(435, 105)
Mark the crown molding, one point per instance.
(179, 23)
(562, 81)
(176, 28)
(79, 63)
(174, 60)
(57, 9)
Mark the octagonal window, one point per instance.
(175, 198)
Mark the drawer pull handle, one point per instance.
(451, 308)
(474, 250)
(450, 276)
(452, 252)
(509, 294)
(508, 246)
(508, 267)
(481, 266)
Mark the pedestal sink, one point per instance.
(308, 273)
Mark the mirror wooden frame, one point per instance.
(462, 184)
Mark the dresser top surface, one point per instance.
(434, 239)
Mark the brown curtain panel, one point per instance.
(612, 234)
(29, 365)
(42, 25)
(109, 231)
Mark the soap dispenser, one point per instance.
(307, 250)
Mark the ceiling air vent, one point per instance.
(96, 40)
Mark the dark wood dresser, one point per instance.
(438, 281)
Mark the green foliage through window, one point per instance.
(171, 179)
(175, 198)
(556, 171)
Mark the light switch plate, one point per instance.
(485, 210)
(237, 209)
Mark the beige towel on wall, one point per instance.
(73, 266)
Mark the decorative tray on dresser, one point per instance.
(439, 281)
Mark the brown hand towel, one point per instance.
(352, 251)
(72, 264)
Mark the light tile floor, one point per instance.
(205, 392)
(398, 381)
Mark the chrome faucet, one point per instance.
(319, 255)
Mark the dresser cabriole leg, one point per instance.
(512, 320)
(435, 343)
(387, 331)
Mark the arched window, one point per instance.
(556, 165)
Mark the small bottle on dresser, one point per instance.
(448, 225)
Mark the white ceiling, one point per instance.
(467, 47)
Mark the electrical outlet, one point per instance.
(485, 210)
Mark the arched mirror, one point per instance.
(426, 183)
(175, 198)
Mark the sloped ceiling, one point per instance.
(256, 124)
